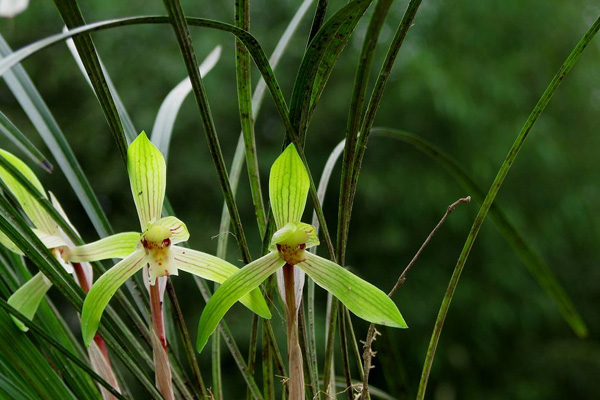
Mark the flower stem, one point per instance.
(162, 367)
(102, 366)
(296, 372)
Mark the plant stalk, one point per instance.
(296, 371)
(162, 367)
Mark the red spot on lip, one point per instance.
(166, 242)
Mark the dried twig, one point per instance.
(368, 352)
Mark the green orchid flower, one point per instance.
(28, 297)
(156, 247)
(288, 191)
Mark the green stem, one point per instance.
(344, 346)
(491, 195)
(185, 336)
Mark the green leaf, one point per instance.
(179, 232)
(362, 298)
(9, 130)
(238, 284)
(28, 297)
(217, 270)
(148, 179)
(103, 290)
(288, 187)
(319, 59)
(32, 208)
(116, 246)
(167, 113)
(17, 350)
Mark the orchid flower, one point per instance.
(288, 191)
(29, 296)
(156, 248)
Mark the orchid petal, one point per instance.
(116, 246)
(148, 177)
(58, 207)
(10, 8)
(6, 242)
(288, 187)
(179, 232)
(299, 278)
(40, 218)
(28, 297)
(50, 241)
(103, 289)
(217, 270)
(362, 298)
(236, 286)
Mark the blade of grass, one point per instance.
(13, 134)
(37, 330)
(319, 58)
(491, 195)
(23, 356)
(71, 15)
(318, 19)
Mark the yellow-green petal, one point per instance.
(217, 270)
(40, 218)
(50, 241)
(179, 232)
(115, 246)
(148, 178)
(236, 286)
(103, 290)
(288, 187)
(359, 296)
(28, 298)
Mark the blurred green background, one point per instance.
(466, 79)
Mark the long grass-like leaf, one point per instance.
(21, 354)
(37, 330)
(13, 134)
(320, 56)
(491, 196)
(167, 113)
(72, 16)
